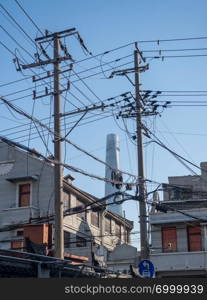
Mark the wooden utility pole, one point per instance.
(58, 169)
(140, 193)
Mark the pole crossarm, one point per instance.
(94, 107)
(58, 34)
(130, 70)
(50, 74)
(46, 62)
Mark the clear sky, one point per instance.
(105, 25)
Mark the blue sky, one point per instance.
(105, 25)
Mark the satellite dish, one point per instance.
(6, 167)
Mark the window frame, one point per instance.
(20, 232)
(190, 234)
(181, 193)
(18, 194)
(68, 206)
(126, 236)
(80, 215)
(97, 218)
(67, 244)
(119, 234)
(167, 250)
(19, 245)
(110, 225)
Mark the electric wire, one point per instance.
(28, 16)
(23, 125)
(20, 111)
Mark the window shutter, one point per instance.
(24, 194)
(194, 238)
(169, 239)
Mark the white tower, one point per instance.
(112, 159)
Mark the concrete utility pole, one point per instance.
(59, 237)
(58, 169)
(140, 190)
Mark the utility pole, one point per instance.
(140, 192)
(139, 110)
(58, 169)
(58, 172)
(125, 233)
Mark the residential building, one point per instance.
(122, 257)
(27, 209)
(179, 232)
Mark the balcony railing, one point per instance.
(17, 215)
(180, 261)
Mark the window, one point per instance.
(194, 238)
(108, 227)
(180, 192)
(95, 218)
(67, 239)
(20, 232)
(24, 194)
(80, 242)
(126, 237)
(66, 200)
(169, 239)
(81, 215)
(118, 230)
(17, 245)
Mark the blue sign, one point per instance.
(146, 268)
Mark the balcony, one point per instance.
(180, 263)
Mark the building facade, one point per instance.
(121, 257)
(179, 232)
(27, 200)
